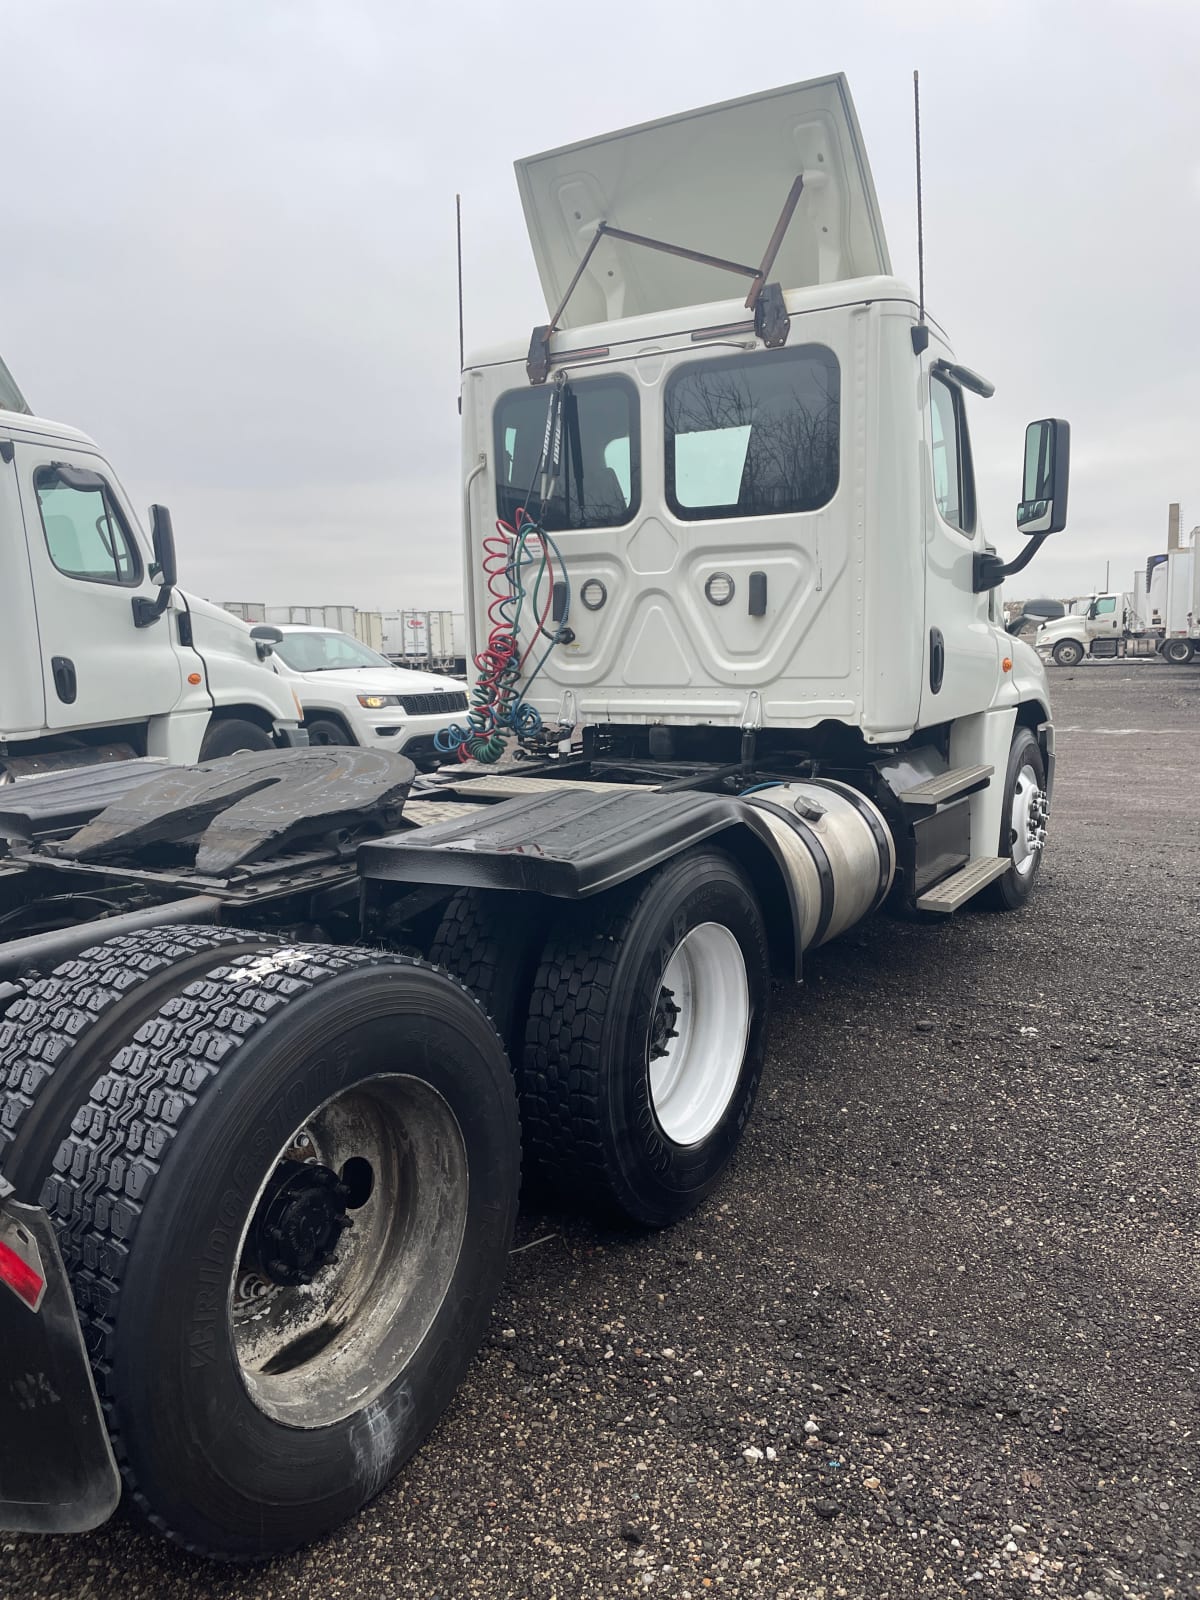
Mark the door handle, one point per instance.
(65, 682)
(937, 659)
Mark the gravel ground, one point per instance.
(937, 1333)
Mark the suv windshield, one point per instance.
(326, 652)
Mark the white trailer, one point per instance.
(366, 626)
(1181, 619)
(432, 639)
(745, 629)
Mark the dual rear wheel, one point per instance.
(284, 1192)
(636, 1024)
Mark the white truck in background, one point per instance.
(102, 657)
(1158, 615)
(1102, 625)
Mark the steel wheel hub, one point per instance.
(1030, 814)
(324, 1308)
(698, 1033)
(299, 1221)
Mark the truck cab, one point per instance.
(100, 656)
(763, 521)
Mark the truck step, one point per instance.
(960, 886)
(946, 786)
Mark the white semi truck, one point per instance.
(732, 600)
(102, 655)
(1158, 614)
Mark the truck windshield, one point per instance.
(599, 485)
(326, 652)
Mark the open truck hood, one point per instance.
(713, 180)
(11, 398)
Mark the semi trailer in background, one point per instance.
(433, 639)
(366, 626)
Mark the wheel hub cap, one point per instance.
(698, 1033)
(1030, 815)
(300, 1219)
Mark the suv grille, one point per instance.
(428, 705)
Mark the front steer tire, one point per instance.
(1012, 889)
(589, 1118)
(159, 1196)
(232, 736)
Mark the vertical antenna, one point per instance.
(458, 230)
(920, 334)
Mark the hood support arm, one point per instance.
(772, 326)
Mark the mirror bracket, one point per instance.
(147, 611)
(989, 570)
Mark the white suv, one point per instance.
(353, 695)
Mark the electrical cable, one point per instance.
(498, 705)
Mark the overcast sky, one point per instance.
(227, 247)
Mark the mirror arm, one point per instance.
(988, 570)
(147, 611)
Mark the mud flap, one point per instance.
(57, 1472)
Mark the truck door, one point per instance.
(88, 564)
(961, 652)
(1104, 619)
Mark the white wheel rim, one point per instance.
(695, 1070)
(1028, 823)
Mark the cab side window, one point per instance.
(85, 532)
(953, 477)
(1106, 607)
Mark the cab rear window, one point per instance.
(753, 436)
(599, 485)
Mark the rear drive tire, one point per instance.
(491, 942)
(645, 1041)
(1178, 652)
(231, 736)
(264, 1368)
(60, 1036)
(1024, 817)
(322, 730)
(1067, 653)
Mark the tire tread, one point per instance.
(49, 1032)
(105, 1171)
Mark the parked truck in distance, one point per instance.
(102, 655)
(1159, 614)
(1101, 626)
(731, 596)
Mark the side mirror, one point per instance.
(163, 538)
(265, 637)
(1043, 504)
